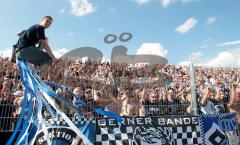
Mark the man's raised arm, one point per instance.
(45, 45)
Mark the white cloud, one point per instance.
(60, 52)
(186, 1)
(62, 11)
(70, 34)
(228, 58)
(211, 20)
(101, 30)
(185, 63)
(153, 49)
(208, 40)
(223, 59)
(206, 43)
(141, 2)
(6, 53)
(196, 56)
(82, 7)
(229, 43)
(203, 46)
(165, 3)
(187, 25)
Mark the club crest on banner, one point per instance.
(144, 135)
(215, 136)
(216, 128)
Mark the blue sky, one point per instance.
(203, 31)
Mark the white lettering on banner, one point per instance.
(68, 137)
(170, 122)
(102, 122)
(186, 120)
(139, 121)
(111, 122)
(57, 133)
(178, 121)
(161, 121)
(194, 120)
(63, 134)
(130, 121)
(148, 120)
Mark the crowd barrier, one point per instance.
(219, 129)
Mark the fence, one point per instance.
(129, 91)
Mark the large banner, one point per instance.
(220, 129)
(149, 131)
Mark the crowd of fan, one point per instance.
(128, 90)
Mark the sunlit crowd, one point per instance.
(128, 90)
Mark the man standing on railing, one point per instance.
(26, 46)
